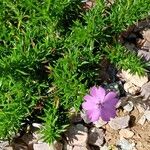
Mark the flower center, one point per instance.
(100, 105)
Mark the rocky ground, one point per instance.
(130, 130)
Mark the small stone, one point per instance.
(145, 91)
(66, 146)
(146, 45)
(147, 114)
(8, 148)
(81, 148)
(109, 132)
(124, 144)
(3, 144)
(126, 133)
(140, 108)
(134, 78)
(146, 35)
(100, 123)
(96, 136)
(42, 146)
(131, 88)
(77, 135)
(139, 145)
(144, 54)
(119, 122)
(104, 147)
(129, 106)
(142, 120)
(84, 117)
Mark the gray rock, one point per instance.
(144, 54)
(145, 91)
(140, 108)
(147, 114)
(126, 133)
(8, 148)
(119, 122)
(124, 144)
(96, 136)
(142, 120)
(84, 117)
(129, 106)
(42, 146)
(77, 135)
(146, 34)
(104, 147)
(45, 146)
(131, 88)
(134, 79)
(100, 123)
(146, 45)
(3, 144)
(81, 148)
(66, 146)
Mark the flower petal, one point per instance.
(89, 105)
(108, 109)
(88, 98)
(93, 115)
(107, 114)
(111, 103)
(92, 99)
(98, 92)
(93, 91)
(111, 98)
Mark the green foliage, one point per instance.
(68, 81)
(15, 103)
(27, 40)
(126, 12)
(125, 59)
(55, 123)
(50, 51)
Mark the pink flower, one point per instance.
(99, 104)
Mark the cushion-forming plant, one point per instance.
(50, 51)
